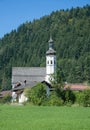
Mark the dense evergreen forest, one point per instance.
(26, 46)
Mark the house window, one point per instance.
(51, 61)
(47, 62)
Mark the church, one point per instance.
(26, 77)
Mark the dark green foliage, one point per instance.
(6, 99)
(58, 97)
(86, 98)
(68, 96)
(27, 45)
(79, 97)
(83, 98)
(54, 100)
(37, 94)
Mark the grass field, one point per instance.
(44, 118)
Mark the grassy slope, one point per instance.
(44, 118)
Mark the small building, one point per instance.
(4, 93)
(76, 87)
(24, 77)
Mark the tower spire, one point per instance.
(50, 42)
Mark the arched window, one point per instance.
(48, 62)
(51, 62)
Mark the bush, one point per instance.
(86, 98)
(54, 100)
(6, 99)
(0, 100)
(68, 96)
(37, 94)
(79, 97)
(83, 98)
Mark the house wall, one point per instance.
(22, 98)
(14, 97)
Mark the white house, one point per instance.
(24, 77)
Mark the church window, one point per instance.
(51, 61)
(47, 62)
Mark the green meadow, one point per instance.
(44, 118)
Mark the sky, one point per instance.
(15, 12)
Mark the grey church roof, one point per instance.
(32, 75)
(51, 52)
(29, 71)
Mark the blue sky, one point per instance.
(15, 12)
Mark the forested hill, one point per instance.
(26, 46)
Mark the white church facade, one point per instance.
(26, 77)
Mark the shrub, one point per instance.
(83, 98)
(27, 92)
(68, 96)
(79, 97)
(37, 94)
(0, 100)
(86, 98)
(6, 99)
(54, 100)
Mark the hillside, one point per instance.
(27, 45)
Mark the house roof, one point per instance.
(30, 85)
(79, 87)
(28, 75)
(4, 93)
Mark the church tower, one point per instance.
(50, 61)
